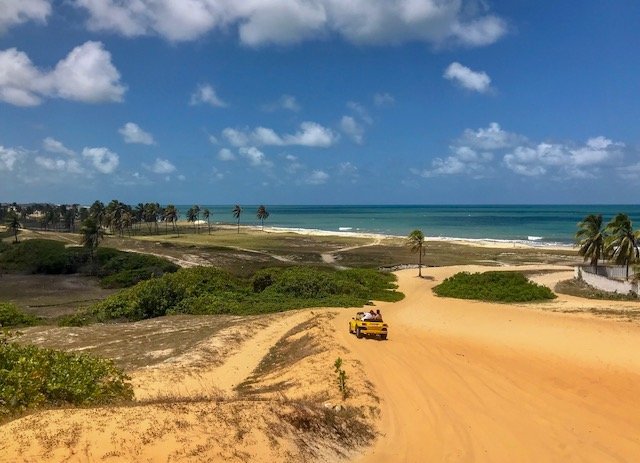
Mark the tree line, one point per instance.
(117, 217)
(616, 241)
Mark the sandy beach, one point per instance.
(457, 381)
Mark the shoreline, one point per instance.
(481, 242)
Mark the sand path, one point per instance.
(180, 379)
(330, 257)
(466, 381)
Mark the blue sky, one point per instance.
(319, 101)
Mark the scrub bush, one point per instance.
(494, 287)
(32, 377)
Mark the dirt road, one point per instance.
(464, 381)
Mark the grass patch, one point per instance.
(579, 288)
(493, 287)
(41, 256)
(116, 269)
(343, 429)
(211, 291)
(32, 377)
(289, 350)
(11, 315)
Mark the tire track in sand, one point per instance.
(464, 381)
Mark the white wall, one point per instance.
(605, 284)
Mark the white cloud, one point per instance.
(15, 12)
(132, 133)
(182, 178)
(287, 102)
(103, 159)
(256, 157)
(360, 111)
(213, 140)
(225, 154)
(206, 94)
(291, 21)
(463, 160)
(265, 136)
(175, 21)
(162, 166)
(352, 128)
(565, 160)
(85, 75)
(491, 138)
(235, 137)
(61, 165)
(479, 32)
(21, 83)
(383, 99)
(348, 170)
(471, 80)
(310, 134)
(597, 151)
(293, 165)
(54, 146)
(217, 174)
(317, 177)
(88, 75)
(9, 157)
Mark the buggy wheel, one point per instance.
(358, 333)
(383, 337)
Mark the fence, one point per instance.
(616, 272)
(611, 284)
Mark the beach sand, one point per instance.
(458, 381)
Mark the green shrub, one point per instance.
(11, 315)
(119, 269)
(206, 290)
(493, 286)
(40, 256)
(32, 377)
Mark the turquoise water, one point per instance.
(543, 225)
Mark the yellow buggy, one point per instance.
(368, 328)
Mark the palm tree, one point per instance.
(206, 214)
(196, 213)
(171, 215)
(92, 234)
(591, 238)
(415, 241)
(13, 223)
(237, 210)
(139, 214)
(150, 215)
(262, 215)
(97, 211)
(622, 242)
(191, 215)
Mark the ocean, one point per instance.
(541, 225)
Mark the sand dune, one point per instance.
(469, 381)
(459, 381)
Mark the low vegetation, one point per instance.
(341, 378)
(116, 269)
(32, 377)
(12, 316)
(579, 288)
(494, 287)
(207, 290)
